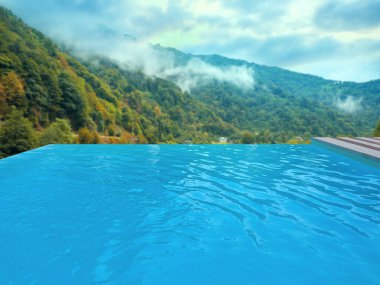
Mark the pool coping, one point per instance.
(353, 146)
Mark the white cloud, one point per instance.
(135, 55)
(197, 71)
(286, 33)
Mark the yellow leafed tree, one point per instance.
(12, 93)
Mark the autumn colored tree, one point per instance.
(3, 102)
(57, 133)
(88, 137)
(141, 139)
(127, 138)
(157, 111)
(16, 135)
(12, 93)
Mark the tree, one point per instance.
(141, 139)
(88, 137)
(73, 103)
(248, 138)
(57, 133)
(376, 132)
(12, 93)
(3, 102)
(16, 135)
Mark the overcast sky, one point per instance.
(335, 39)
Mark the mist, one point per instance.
(125, 32)
(236, 29)
(134, 55)
(197, 71)
(349, 104)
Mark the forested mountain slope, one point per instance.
(298, 84)
(286, 101)
(45, 82)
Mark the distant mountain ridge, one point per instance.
(300, 84)
(56, 85)
(360, 102)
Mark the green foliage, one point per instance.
(16, 135)
(286, 101)
(55, 85)
(275, 111)
(248, 138)
(156, 110)
(96, 96)
(72, 101)
(58, 132)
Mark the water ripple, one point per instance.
(149, 214)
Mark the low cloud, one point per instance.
(335, 39)
(196, 72)
(132, 54)
(349, 104)
(108, 28)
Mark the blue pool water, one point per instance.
(160, 214)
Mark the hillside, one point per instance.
(45, 82)
(328, 92)
(53, 84)
(357, 104)
(298, 84)
(285, 102)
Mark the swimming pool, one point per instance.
(188, 214)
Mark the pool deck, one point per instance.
(367, 147)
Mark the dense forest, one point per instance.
(291, 102)
(42, 84)
(49, 95)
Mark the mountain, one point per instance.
(269, 104)
(52, 84)
(357, 104)
(328, 92)
(298, 84)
